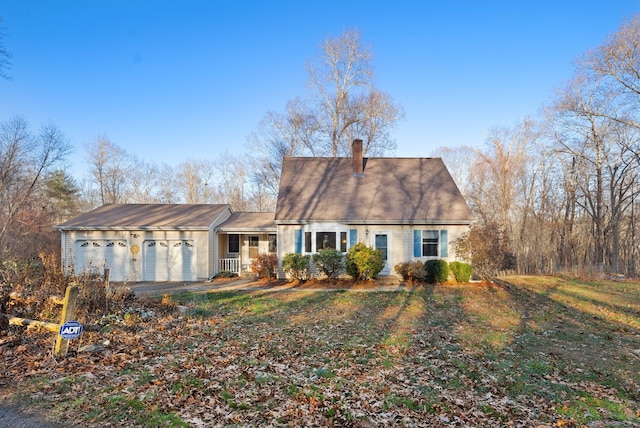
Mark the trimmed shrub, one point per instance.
(364, 262)
(436, 271)
(296, 266)
(265, 265)
(411, 271)
(462, 271)
(226, 274)
(329, 262)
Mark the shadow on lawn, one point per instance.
(580, 348)
(501, 351)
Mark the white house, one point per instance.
(409, 208)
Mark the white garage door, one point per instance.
(169, 260)
(94, 256)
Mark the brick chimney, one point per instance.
(358, 160)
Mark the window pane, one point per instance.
(325, 240)
(343, 242)
(381, 244)
(253, 246)
(430, 243)
(307, 242)
(430, 234)
(234, 243)
(273, 246)
(430, 250)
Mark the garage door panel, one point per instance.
(93, 256)
(169, 260)
(154, 254)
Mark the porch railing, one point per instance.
(231, 265)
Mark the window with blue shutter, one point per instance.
(444, 244)
(417, 243)
(353, 237)
(298, 241)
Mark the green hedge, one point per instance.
(436, 271)
(462, 271)
(329, 261)
(296, 266)
(364, 262)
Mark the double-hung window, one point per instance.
(430, 243)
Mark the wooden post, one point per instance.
(68, 311)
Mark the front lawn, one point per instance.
(528, 350)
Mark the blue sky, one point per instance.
(176, 80)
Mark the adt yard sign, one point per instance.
(70, 330)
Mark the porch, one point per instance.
(241, 238)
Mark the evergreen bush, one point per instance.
(462, 271)
(436, 271)
(296, 266)
(364, 262)
(329, 261)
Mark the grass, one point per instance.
(527, 351)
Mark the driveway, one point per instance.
(149, 289)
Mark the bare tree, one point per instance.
(168, 189)
(195, 181)
(231, 180)
(343, 104)
(25, 159)
(459, 162)
(615, 65)
(603, 158)
(5, 56)
(143, 182)
(496, 173)
(109, 166)
(346, 102)
(280, 135)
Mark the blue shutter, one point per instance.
(444, 244)
(417, 243)
(298, 241)
(353, 237)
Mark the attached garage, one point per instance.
(169, 260)
(144, 242)
(94, 256)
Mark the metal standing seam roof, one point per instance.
(147, 216)
(391, 190)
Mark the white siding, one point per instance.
(400, 238)
(132, 263)
(213, 245)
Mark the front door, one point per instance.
(382, 244)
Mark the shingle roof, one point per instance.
(391, 190)
(143, 216)
(249, 222)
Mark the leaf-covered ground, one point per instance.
(531, 351)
